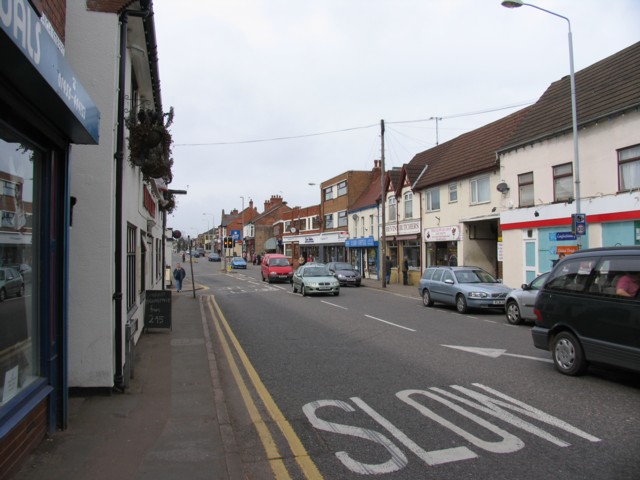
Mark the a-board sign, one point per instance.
(157, 310)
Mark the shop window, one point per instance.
(19, 329)
(525, 190)
(432, 199)
(453, 192)
(131, 266)
(629, 168)
(480, 192)
(342, 219)
(392, 209)
(328, 221)
(411, 250)
(562, 182)
(342, 188)
(408, 205)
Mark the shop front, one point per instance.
(403, 245)
(321, 247)
(363, 255)
(442, 245)
(39, 119)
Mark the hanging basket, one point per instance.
(150, 143)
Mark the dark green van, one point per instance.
(588, 310)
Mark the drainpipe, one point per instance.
(118, 378)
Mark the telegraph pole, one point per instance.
(383, 201)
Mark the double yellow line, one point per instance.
(274, 457)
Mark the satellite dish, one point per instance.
(502, 187)
(355, 216)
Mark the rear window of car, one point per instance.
(437, 275)
(278, 262)
(474, 276)
(428, 273)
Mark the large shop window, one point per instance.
(19, 332)
(629, 168)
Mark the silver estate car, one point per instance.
(462, 287)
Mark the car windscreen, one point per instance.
(343, 266)
(279, 262)
(474, 276)
(316, 272)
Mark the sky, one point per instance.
(272, 95)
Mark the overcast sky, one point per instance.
(245, 76)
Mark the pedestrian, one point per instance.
(387, 268)
(183, 256)
(405, 271)
(179, 274)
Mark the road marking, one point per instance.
(334, 305)
(495, 353)
(390, 323)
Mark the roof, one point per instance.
(607, 88)
(471, 153)
(371, 195)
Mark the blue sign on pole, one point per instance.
(236, 235)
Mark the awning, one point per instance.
(407, 237)
(271, 244)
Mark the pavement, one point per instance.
(170, 423)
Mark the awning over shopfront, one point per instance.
(271, 244)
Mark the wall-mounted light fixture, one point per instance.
(536, 213)
(570, 200)
(494, 209)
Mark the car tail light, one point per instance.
(538, 315)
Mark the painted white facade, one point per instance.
(91, 316)
(600, 199)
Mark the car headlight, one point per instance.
(478, 295)
(340, 275)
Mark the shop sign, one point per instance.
(361, 242)
(561, 236)
(442, 234)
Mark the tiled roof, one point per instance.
(470, 153)
(371, 195)
(607, 88)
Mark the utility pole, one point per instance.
(383, 200)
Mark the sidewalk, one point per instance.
(398, 289)
(171, 423)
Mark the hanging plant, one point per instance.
(169, 203)
(150, 143)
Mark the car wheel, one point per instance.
(426, 299)
(568, 355)
(21, 291)
(335, 294)
(295, 290)
(513, 313)
(461, 303)
(303, 291)
(3, 294)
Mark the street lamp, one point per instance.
(242, 231)
(210, 235)
(574, 115)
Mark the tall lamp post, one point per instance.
(210, 234)
(574, 115)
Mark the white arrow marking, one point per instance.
(495, 353)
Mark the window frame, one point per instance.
(342, 188)
(634, 162)
(526, 183)
(561, 177)
(342, 220)
(475, 189)
(429, 196)
(328, 221)
(328, 193)
(453, 192)
(408, 204)
(392, 204)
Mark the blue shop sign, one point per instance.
(360, 242)
(561, 236)
(235, 234)
(46, 76)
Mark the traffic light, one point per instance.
(228, 242)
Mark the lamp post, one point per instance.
(574, 115)
(210, 235)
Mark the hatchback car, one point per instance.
(214, 257)
(315, 279)
(462, 287)
(345, 273)
(11, 283)
(520, 301)
(238, 262)
(588, 310)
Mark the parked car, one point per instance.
(462, 287)
(201, 251)
(24, 269)
(11, 283)
(238, 262)
(214, 257)
(315, 279)
(276, 267)
(588, 310)
(520, 301)
(195, 254)
(345, 273)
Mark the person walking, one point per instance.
(387, 269)
(405, 271)
(179, 274)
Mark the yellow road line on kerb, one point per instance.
(273, 455)
(301, 455)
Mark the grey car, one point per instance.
(11, 283)
(462, 287)
(315, 279)
(345, 273)
(520, 301)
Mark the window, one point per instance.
(328, 193)
(432, 199)
(342, 219)
(480, 190)
(328, 221)
(143, 262)
(572, 276)
(342, 188)
(453, 192)
(370, 224)
(525, 190)
(629, 168)
(408, 205)
(392, 209)
(131, 266)
(562, 182)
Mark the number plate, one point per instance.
(498, 302)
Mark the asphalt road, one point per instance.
(373, 384)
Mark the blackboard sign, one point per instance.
(157, 310)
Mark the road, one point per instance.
(373, 384)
